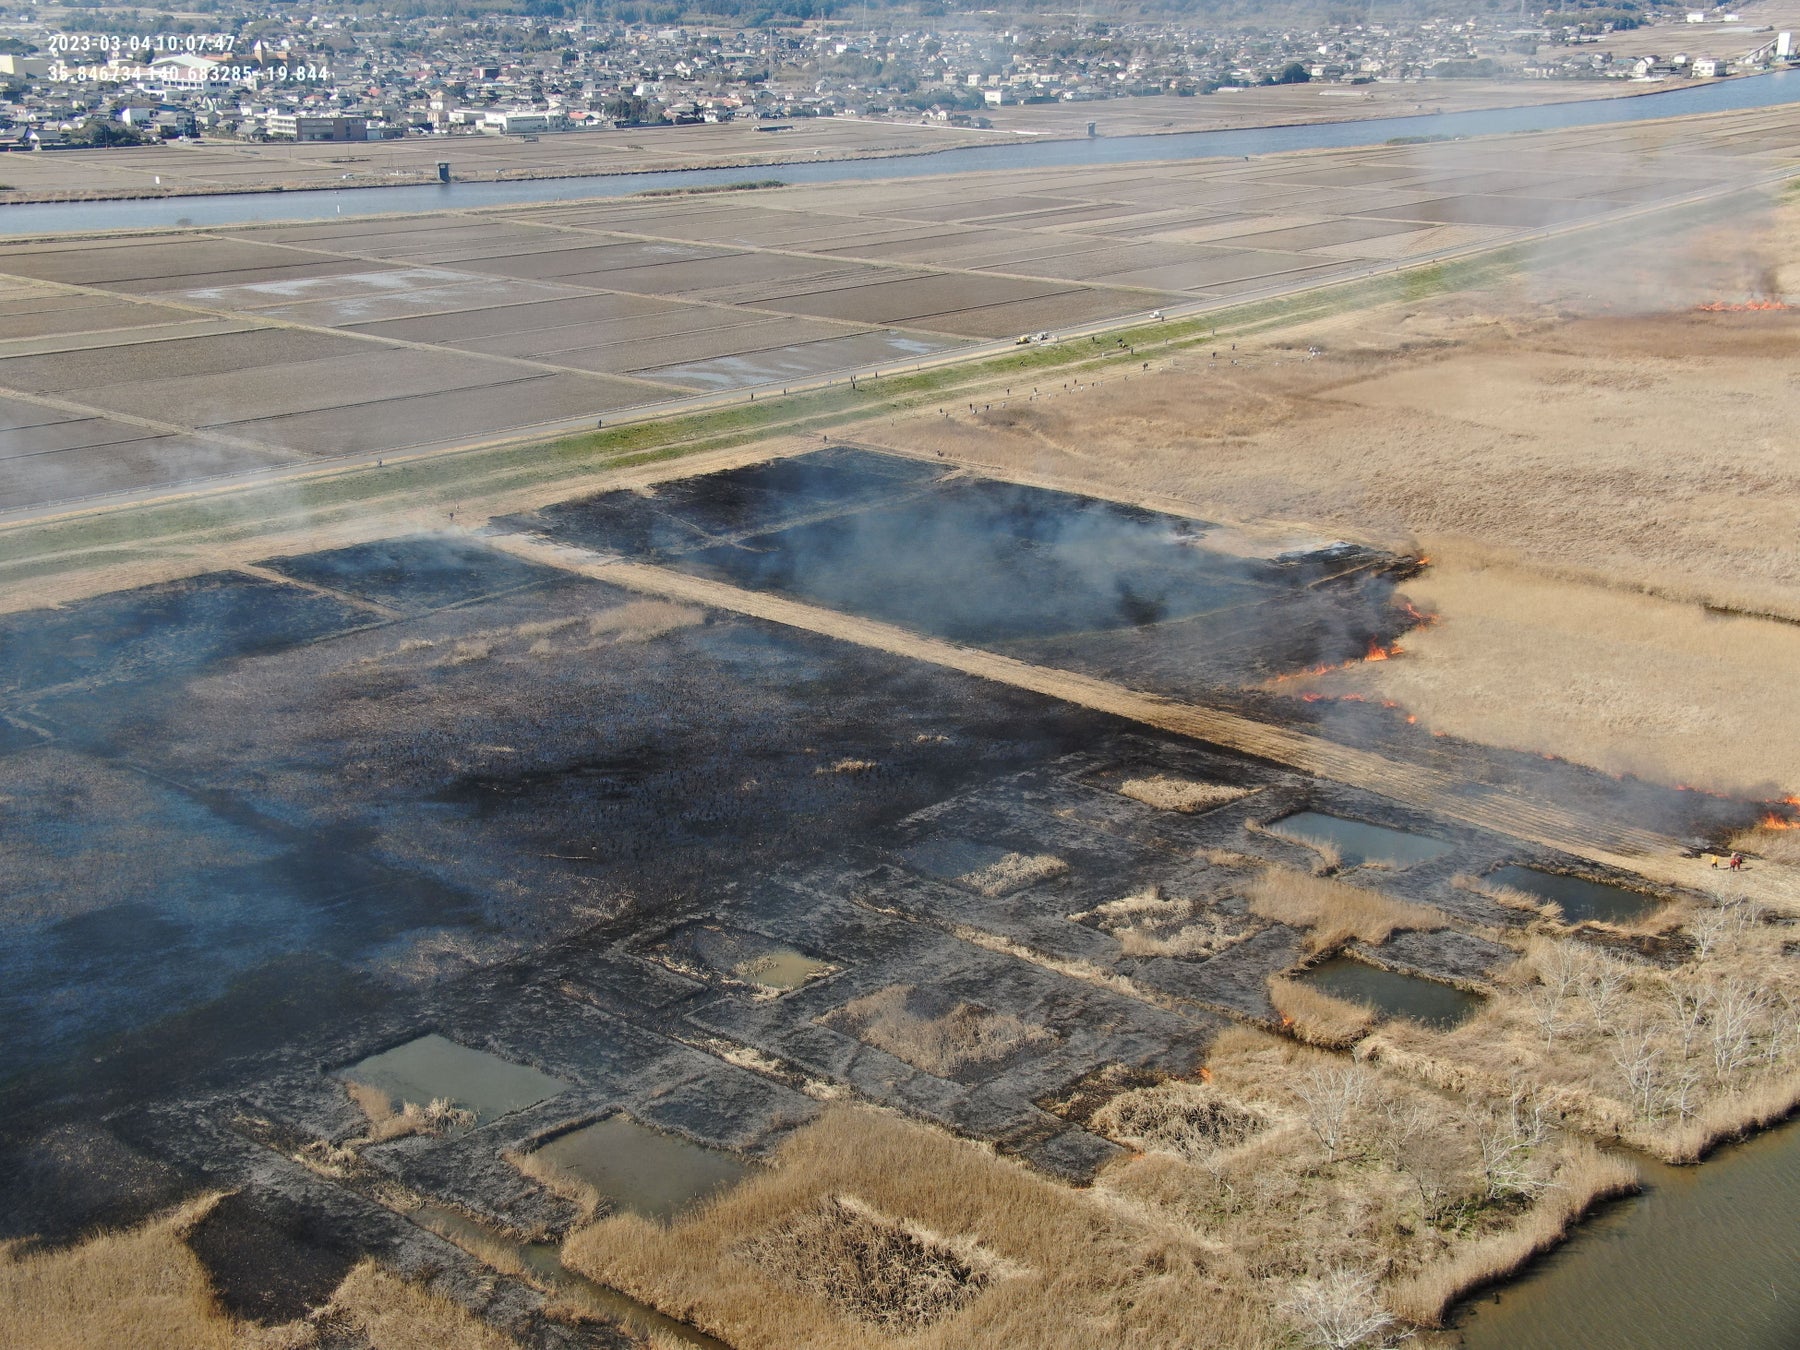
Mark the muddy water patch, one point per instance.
(1358, 842)
(433, 1068)
(714, 952)
(1428, 1002)
(986, 869)
(635, 1168)
(1578, 898)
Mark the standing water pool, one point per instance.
(1429, 1002)
(1578, 898)
(1359, 842)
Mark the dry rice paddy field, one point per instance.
(1204, 852)
(137, 362)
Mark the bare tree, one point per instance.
(1420, 1147)
(1331, 1096)
(1678, 1092)
(1711, 929)
(1510, 1138)
(1559, 967)
(1736, 1008)
(1636, 1054)
(1602, 987)
(1686, 1006)
(1339, 1311)
(1784, 1029)
(1546, 1006)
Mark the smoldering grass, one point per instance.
(1319, 1018)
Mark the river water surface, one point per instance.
(1756, 91)
(1707, 1258)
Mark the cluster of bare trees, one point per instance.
(1673, 1037)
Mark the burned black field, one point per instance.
(688, 868)
(1042, 575)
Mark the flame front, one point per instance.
(1748, 307)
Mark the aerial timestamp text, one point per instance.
(156, 44)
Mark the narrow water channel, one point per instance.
(1707, 1258)
(543, 1263)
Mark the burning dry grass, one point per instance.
(1665, 688)
(1334, 912)
(1063, 1268)
(1180, 794)
(1772, 845)
(942, 1043)
(1548, 464)
(1149, 923)
(1012, 873)
(1319, 1018)
(1670, 1060)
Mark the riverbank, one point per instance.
(234, 168)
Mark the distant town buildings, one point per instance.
(271, 73)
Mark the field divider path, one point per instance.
(1428, 789)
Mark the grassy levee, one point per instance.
(213, 514)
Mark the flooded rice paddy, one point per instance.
(1578, 898)
(1392, 994)
(640, 1170)
(1358, 842)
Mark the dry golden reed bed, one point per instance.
(143, 1289)
(1285, 1192)
(1667, 1059)
(1335, 912)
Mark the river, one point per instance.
(1707, 1256)
(1756, 91)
